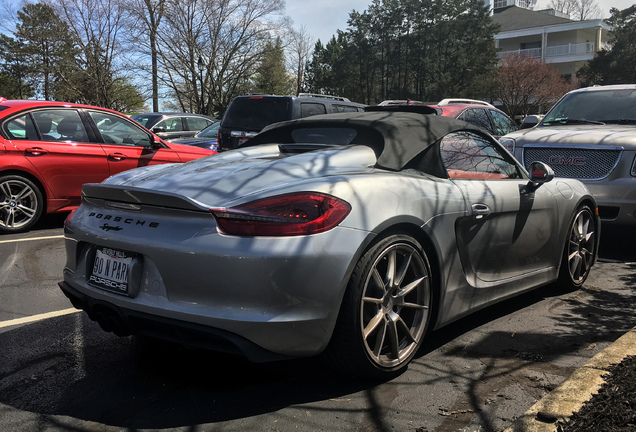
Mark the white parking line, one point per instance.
(33, 238)
(39, 317)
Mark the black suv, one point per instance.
(248, 115)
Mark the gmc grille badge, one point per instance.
(561, 160)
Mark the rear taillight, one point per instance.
(291, 214)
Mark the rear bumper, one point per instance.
(264, 298)
(125, 322)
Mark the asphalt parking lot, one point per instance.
(62, 373)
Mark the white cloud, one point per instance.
(324, 18)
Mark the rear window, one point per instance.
(254, 113)
(308, 109)
(344, 108)
(336, 136)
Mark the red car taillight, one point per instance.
(291, 214)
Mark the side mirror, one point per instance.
(159, 129)
(540, 173)
(530, 121)
(157, 142)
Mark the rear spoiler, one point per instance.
(120, 196)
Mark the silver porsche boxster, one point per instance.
(348, 235)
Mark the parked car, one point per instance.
(48, 150)
(590, 135)
(174, 125)
(207, 138)
(478, 113)
(348, 235)
(248, 115)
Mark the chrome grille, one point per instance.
(578, 163)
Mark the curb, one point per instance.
(569, 397)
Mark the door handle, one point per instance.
(480, 210)
(36, 151)
(117, 156)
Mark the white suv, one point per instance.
(590, 135)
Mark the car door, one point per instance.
(127, 145)
(56, 143)
(195, 125)
(173, 127)
(507, 231)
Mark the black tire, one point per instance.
(21, 204)
(579, 250)
(385, 312)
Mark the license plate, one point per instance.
(111, 269)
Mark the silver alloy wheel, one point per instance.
(18, 204)
(581, 246)
(395, 305)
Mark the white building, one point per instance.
(547, 35)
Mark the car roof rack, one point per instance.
(401, 102)
(338, 98)
(463, 101)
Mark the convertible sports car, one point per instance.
(349, 235)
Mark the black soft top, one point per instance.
(400, 139)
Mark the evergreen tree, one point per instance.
(410, 49)
(271, 74)
(15, 72)
(49, 50)
(615, 65)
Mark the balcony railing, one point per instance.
(532, 52)
(570, 49)
(555, 51)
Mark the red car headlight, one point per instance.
(299, 213)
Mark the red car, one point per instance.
(476, 112)
(48, 150)
(479, 113)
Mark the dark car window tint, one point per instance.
(503, 125)
(477, 117)
(116, 130)
(343, 108)
(469, 156)
(197, 123)
(310, 109)
(255, 113)
(21, 128)
(336, 136)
